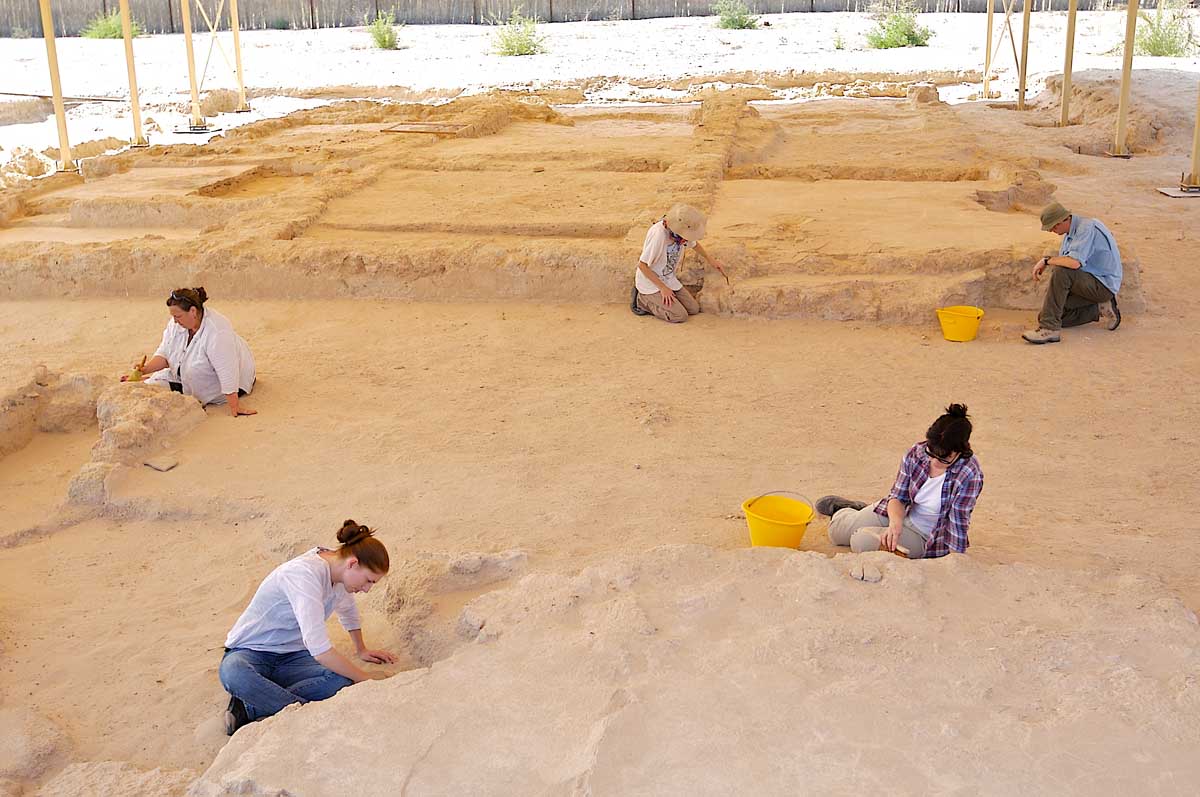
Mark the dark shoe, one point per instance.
(633, 305)
(1110, 315)
(1042, 335)
(235, 716)
(830, 504)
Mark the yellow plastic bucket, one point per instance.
(960, 322)
(776, 520)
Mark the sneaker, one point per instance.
(1110, 315)
(1042, 335)
(235, 716)
(633, 304)
(830, 504)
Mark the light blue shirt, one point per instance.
(1094, 247)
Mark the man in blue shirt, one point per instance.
(1085, 276)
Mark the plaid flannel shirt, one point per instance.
(960, 491)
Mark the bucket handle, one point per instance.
(811, 505)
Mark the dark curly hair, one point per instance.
(951, 432)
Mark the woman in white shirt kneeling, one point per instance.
(278, 652)
(200, 354)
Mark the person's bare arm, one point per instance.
(332, 660)
(366, 654)
(1061, 261)
(236, 409)
(712, 261)
(155, 363)
(896, 511)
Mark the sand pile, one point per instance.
(691, 671)
(138, 422)
(1152, 122)
(23, 165)
(89, 149)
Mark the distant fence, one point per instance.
(163, 16)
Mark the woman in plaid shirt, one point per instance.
(928, 511)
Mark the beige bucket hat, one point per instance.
(686, 222)
(1052, 214)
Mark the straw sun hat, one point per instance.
(686, 222)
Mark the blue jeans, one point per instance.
(266, 682)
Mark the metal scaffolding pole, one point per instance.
(1068, 64)
(1028, 7)
(198, 123)
(237, 57)
(65, 163)
(139, 139)
(987, 53)
(1119, 150)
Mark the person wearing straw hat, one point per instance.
(928, 511)
(1085, 276)
(657, 291)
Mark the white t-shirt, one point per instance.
(662, 253)
(927, 505)
(215, 363)
(289, 610)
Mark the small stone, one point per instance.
(161, 464)
(864, 571)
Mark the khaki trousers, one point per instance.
(684, 305)
(861, 529)
(1073, 298)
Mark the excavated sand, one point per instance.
(572, 600)
(690, 671)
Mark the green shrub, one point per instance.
(108, 26)
(839, 43)
(896, 26)
(383, 31)
(1167, 33)
(280, 23)
(519, 36)
(734, 15)
(21, 33)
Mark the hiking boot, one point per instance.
(1042, 335)
(831, 504)
(633, 304)
(235, 716)
(1110, 315)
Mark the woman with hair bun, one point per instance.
(200, 354)
(928, 511)
(278, 651)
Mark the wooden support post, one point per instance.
(198, 123)
(243, 106)
(1119, 149)
(139, 139)
(65, 162)
(1192, 181)
(1068, 64)
(1028, 7)
(987, 53)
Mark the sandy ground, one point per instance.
(484, 428)
(617, 61)
(554, 440)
